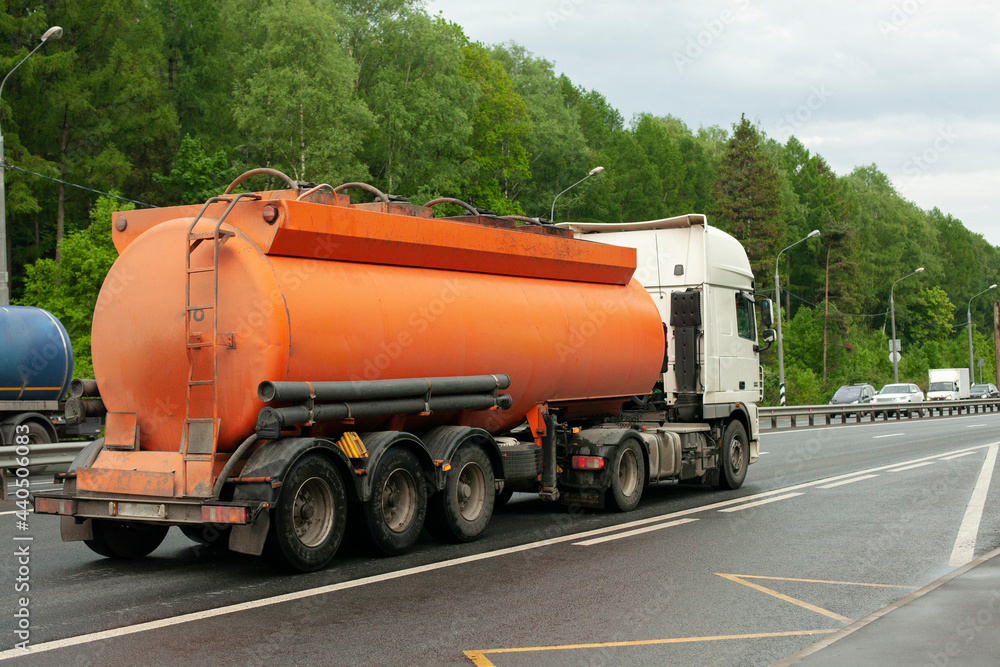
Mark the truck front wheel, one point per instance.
(735, 456)
(395, 513)
(462, 510)
(628, 476)
(309, 520)
(125, 539)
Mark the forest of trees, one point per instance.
(165, 101)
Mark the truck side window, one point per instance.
(745, 325)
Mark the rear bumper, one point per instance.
(148, 510)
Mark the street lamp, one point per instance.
(892, 307)
(972, 372)
(777, 303)
(55, 32)
(593, 172)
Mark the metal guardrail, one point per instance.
(49, 454)
(872, 412)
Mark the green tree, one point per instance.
(294, 100)
(747, 196)
(195, 176)
(499, 125)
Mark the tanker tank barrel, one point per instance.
(270, 421)
(366, 390)
(83, 388)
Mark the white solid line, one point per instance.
(965, 543)
(957, 456)
(974, 425)
(323, 590)
(630, 533)
(887, 435)
(848, 481)
(762, 453)
(911, 467)
(17, 512)
(761, 502)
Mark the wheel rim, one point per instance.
(399, 500)
(471, 491)
(628, 472)
(313, 512)
(736, 455)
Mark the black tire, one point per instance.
(460, 512)
(125, 539)
(628, 476)
(735, 456)
(395, 513)
(307, 525)
(207, 534)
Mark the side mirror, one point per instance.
(767, 316)
(768, 336)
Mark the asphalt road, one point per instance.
(832, 524)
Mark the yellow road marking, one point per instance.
(821, 581)
(787, 598)
(479, 658)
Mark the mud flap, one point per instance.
(73, 531)
(249, 539)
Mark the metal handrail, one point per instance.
(875, 411)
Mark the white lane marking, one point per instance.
(848, 481)
(965, 543)
(974, 425)
(761, 502)
(630, 533)
(763, 453)
(332, 588)
(911, 467)
(957, 456)
(887, 435)
(17, 512)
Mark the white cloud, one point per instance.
(897, 73)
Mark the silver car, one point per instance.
(899, 393)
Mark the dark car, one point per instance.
(984, 391)
(853, 393)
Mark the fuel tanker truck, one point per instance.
(277, 365)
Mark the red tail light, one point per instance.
(588, 462)
(215, 514)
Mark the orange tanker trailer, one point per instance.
(273, 362)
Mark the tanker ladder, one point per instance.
(201, 422)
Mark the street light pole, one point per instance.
(55, 32)
(972, 372)
(892, 309)
(777, 303)
(593, 172)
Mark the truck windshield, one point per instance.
(941, 386)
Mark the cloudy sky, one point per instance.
(910, 85)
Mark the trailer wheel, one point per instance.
(125, 539)
(309, 520)
(464, 507)
(735, 456)
(628, 475)
(395, 513)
